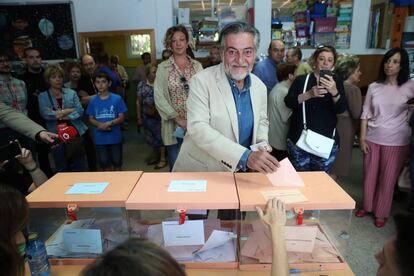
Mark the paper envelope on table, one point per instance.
(285, 195)
(300, 238)
(285, 175)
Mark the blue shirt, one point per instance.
(266, 72)
(104, 111)
(245, 119)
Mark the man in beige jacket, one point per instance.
(22, 124)
(226, 111)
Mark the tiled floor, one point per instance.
(365, 239)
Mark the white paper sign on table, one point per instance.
(83, 240)
(285, 175)
(189, 233)
(286, 195)
(300, 238)
(187, 186)
(87, 188)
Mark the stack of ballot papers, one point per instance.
(304, 244)
(219, 245)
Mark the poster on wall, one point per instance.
(48, 27)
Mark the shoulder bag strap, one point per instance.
(51, 101)
(303, 104)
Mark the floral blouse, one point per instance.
(178, 86)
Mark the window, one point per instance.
(137, 44)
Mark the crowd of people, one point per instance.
(208, 119)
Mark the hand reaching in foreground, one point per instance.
(275, 219)
(275, 213)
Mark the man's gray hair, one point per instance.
(239, 27)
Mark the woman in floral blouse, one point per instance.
(171, 90)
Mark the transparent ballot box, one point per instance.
(318, 220)
(179, 211)
(79, 216)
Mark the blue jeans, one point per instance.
(62, 164)
(110, 155)
(305, 161)
(172, 152)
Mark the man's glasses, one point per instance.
(185, 84)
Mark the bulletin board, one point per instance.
(50, 27)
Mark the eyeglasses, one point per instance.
(185, 84)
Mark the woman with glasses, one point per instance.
(171, 90)
(61, 107)
(323, 98)
(385, 134)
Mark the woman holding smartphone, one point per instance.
(323, 98)
(385, 134)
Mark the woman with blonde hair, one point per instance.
(171, 90)
(60, 107)
(347, 67)
(322, 97)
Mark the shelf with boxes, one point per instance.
(315, 23)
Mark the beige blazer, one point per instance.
(163, 101)
(211, 142)
(18, 121)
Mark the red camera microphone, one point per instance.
(66, 134)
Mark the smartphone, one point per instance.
(10, 150)
(325, 72)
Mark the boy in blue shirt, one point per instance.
(106, 113)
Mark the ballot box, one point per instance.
(79, 216)
(179, 211)
(318, 213)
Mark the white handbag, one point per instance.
(311, 141)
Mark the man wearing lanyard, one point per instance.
(12, 93)
(226, 111)
(86, 88)
(35, 84)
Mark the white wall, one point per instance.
(109, 15)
